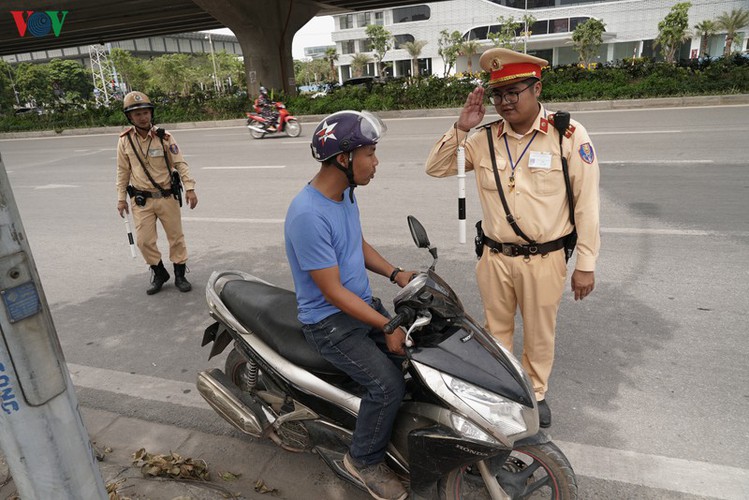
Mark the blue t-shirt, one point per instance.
(322, 233)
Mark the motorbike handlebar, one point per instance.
(404, 316)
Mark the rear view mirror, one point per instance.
(418, 233)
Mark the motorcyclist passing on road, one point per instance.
(329, 259)
(267, 109)
(147, 160)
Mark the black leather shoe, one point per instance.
(179, 278)
(159, 276)
(544, 414)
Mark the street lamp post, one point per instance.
(213, 59)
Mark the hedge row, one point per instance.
(640, 78)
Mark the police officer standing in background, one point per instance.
(524, 263)
(148, 160)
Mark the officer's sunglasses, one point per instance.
(510, 97)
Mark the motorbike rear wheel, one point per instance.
(293, 128)
(254, 133)
(531, 472)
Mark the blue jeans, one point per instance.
(360, 351)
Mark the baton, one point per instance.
(461, 195)
(129, 236)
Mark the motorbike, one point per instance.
(467, 428)
(259, 124)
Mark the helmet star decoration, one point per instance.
(327, 132)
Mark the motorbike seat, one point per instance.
(271, 313)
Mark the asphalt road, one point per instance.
(650, 390)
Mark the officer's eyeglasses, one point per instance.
(510, 97)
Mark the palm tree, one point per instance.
(359, 63)
(331, 56)
(731, 24)
(705, 30)
(414, 50)
(468, 49)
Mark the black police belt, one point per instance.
(166, 193)
(513, 250)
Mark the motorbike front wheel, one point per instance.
(293, 128)
(530, 472)
(254, 133)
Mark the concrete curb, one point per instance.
(663, 102)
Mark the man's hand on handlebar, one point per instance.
(403, 277)
(395, 341)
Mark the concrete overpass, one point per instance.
(264, 28)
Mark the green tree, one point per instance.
(230, 69)
(587, 38)
(673, 30)
(130, 69)
(7, 93)
(359, 64)
(468, 48)
(449, 48)
(731, 24)
(32, 81)
(71, 82)
(414, 50)
(705, 29)
(331, 56)
(507, 36)
(311, 72)
(381, 41)
(528, 21)
(173, 73)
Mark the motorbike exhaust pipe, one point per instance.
(257, 129)
(227, 401)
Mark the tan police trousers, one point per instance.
(167, 211)
(534, 284)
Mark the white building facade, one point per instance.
(631, 27)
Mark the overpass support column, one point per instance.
(265, 30)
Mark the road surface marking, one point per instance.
(232, 220)
(243, 168)
(653, 471)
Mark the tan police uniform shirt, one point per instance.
(151, 153)
(539, 199)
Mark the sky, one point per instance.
(316, 32)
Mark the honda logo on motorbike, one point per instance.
(39, 23)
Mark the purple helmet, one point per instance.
(344, 131)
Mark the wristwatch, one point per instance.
(395, 273)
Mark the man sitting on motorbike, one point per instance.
(329, 259)
(267, 109)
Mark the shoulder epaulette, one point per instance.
(487, 125)
(570, 128)
(126, 131)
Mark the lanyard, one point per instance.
(515, 164)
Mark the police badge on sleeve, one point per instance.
(586, 153)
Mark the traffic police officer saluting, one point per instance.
(147, 162)
(528, 271)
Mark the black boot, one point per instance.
(159, 276)
(179, 278)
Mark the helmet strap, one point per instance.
(349, 173)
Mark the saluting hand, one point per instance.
(473, 110)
